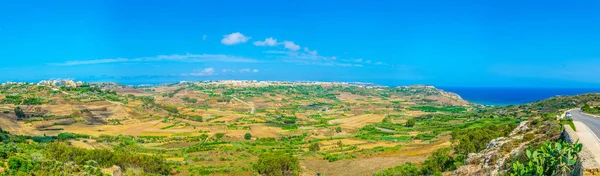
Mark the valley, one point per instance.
(225, 127)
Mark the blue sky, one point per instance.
(444, 43)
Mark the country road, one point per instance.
(592, 122)
(247, 104)
(588, 129)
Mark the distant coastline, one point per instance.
(513, 96)
(480, 95)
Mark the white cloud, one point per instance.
(204, 72)
(308, 58)
(291, 45)
(98, 61)
(245, 70)
(268, 42)
(314, 52)
(234, 38)
(275, 52)
(228, 71)
(174, 57)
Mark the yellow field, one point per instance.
(359, 121)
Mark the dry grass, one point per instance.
(360, 121)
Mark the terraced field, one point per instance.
(219, 128)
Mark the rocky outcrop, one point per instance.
(490, 160)
(430, 93)
(493, 159)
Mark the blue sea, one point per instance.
(513, 96)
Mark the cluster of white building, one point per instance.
(67, 83)
(243, 83)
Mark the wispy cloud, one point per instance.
(293, 54)
(98, 61)
(308, 57)
(268, 42)
(175, 57)
(275, 52)
(291, 45)
(234, 39)
(313, 52)
(244, 70)
(203, 72)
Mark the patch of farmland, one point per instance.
(360, 121)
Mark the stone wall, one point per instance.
(588, 163)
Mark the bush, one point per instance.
(557, 158)
(220, 136)
(277, 163)
(410, 123)
(475, 139)
(19, 113)
(106, 158)
(248, 136)
(438, 162)
(407, 169)
(170, 109)
(33, 101)
(314, 147)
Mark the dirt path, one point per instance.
(249, 105)
(385, 130)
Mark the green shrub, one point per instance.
(407, 169)
(315, 147)
(556, 158)
(410, 123)
(277, 163)
(439, 161)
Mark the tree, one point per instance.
(586, 108)
(439, 161)
(220, 136)
(277, 164)
(410, 123)
(248, 136)
(406, 169)
(338, 129)
(314, 147)
(19, 113)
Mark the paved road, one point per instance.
(592, 122)
(588, 129)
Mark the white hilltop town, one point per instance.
(66, 83)
(235, 83)
(52, 83)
